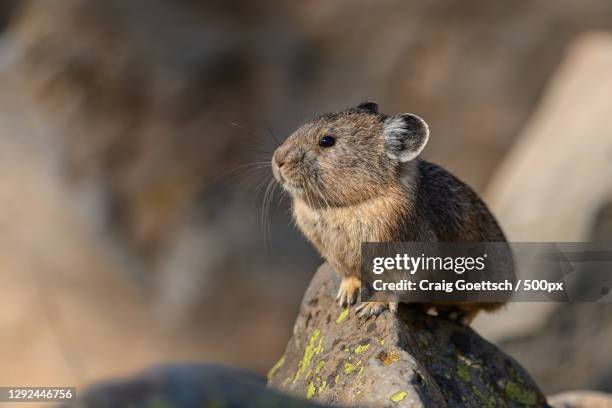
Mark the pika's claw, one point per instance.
(345, 299)
(368, 309)
(348, 291)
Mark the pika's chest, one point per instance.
(325, 229)
(339, 232)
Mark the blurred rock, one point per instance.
(143, 94)
(68, 305)
(554, 186)
(187, 386)
(153, 85)
(550, 185)
(581, 399)
(136, 101)
(574, 339)
(475, 70)
(7, 9)
(571, 350)
(601, 228)
(405, 360)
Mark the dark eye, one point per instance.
(327, 141)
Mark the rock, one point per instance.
(581, 399)
(186, 386)
(572, 347)
(549, 161)
(405, 360)
(528, 180)
(7, 9)
(563, 346)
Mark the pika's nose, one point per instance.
(279, 157)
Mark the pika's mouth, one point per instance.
(292, 188)
(289, 185)
(286, 182)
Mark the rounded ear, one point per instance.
(370, 107)
(405, 136)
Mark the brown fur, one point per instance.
(356, 191)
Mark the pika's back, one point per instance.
(445, 209)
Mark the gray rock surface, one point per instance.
(405, 360)
(572, 347)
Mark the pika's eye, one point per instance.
(327, 141)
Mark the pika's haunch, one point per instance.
(355, 176)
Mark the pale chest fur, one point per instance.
(337, 233)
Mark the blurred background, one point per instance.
(134, 137)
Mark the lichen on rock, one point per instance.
(404, 360)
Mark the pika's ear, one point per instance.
(370, 107)
(405, 136)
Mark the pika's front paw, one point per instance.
(367, 309)
(348, 292)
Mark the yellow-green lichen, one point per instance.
(520, 394)
(381, 342)
(350, 367)
(343, 315)
(159, 402)
(398, 396)
(310, 390)
(337, 379)
(322, 386)
(320, 366)
(362, 348)
(312, 349)
(484, 401)
(275, 367)
(463, 371)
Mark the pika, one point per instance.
(355, 176)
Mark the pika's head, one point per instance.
(344, 158)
